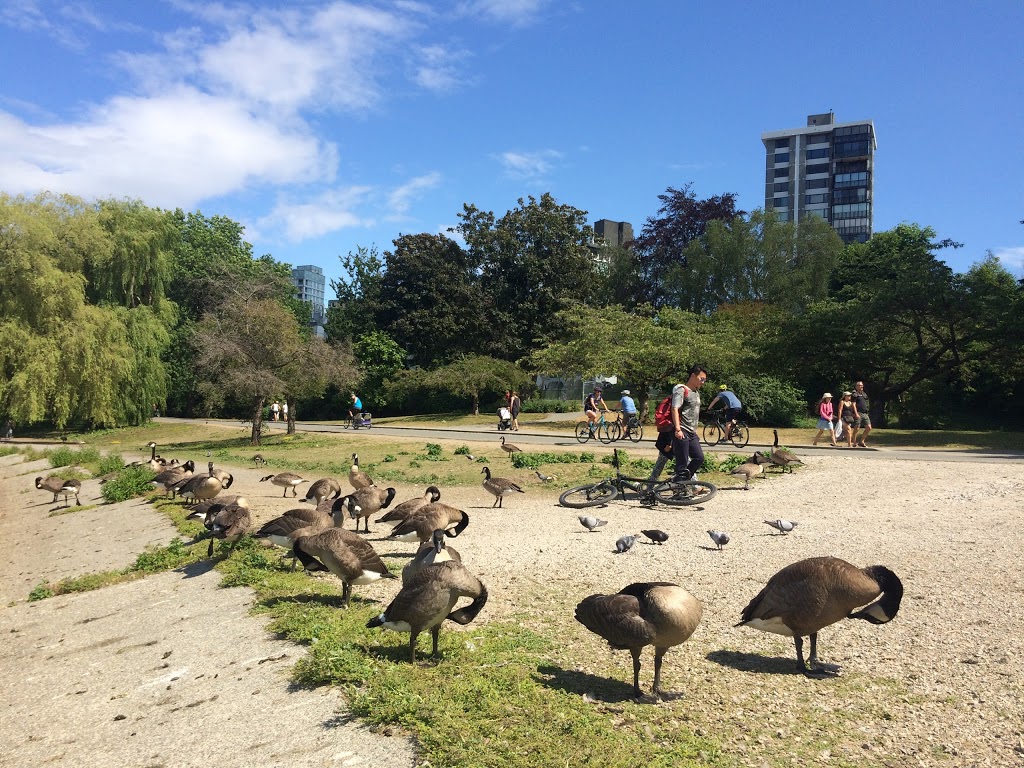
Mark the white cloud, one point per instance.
(438, 68)
(401, 198)
(330, 211)
(515, 12)
(170, 151)
(1012, 257)
(529, 165)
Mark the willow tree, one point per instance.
(68, 350)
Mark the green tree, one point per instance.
(430, 301)
(533, 262)
(251, 349)
(379, 358)
(357, 295)
(647, 350)
(470, 377)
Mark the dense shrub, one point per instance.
(128, 483)
(769, 401)
(551, 406)
(66, 457)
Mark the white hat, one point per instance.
(826, 396)
(625, 392)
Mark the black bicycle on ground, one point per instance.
(679, 493)
(720, 431)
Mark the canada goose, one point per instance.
(356, 477)
(642, 614)
(783, 457)
(225, 477)
(434, 551)
(721, 538)
(498, 487)
(625, 543)
(285, 529)
(400, 512)
(201, 487)
(258, 460)
(422, 523)
(591, 523)
(326, 488)
(427, 600)
(747, 470)
(154, 462)
(509, 448)
(658, 537)
(285, 480)
(363, 502)
(200, 508)
(349, 557)
(169, 478)
(227, 522)
(782, 526)
(58, 487)
(811, 594)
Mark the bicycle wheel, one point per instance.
(636, 433)
(740, 436)
(712, 434)
(583, 433)
(592, 495)
(346, 423)
(686, 493)
(610, 432)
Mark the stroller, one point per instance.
(504, 419)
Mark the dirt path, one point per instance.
(942, 685)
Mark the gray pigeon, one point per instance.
(625, 543)
(721, 538)
(658, 537)
(590, 523)
(544, 478)
(782, 526)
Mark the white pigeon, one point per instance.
(590, 523)
(782, 526)
(721, 538)
(625, 543)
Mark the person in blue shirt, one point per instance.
(356, 408)
(628, 409)
(731, 405)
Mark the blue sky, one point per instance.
(323, 126)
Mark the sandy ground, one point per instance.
(172, 670)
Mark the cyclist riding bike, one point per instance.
(731, 407)
(356, 409)
(628, 411)
(593, 403)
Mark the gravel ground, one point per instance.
(940, 685)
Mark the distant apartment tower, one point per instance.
(309, 285)
(608, 234)
(825, 169)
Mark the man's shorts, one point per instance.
(863, 422)
(732, 413)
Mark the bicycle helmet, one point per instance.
(723, 388)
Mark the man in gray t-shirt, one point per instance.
(685, 415)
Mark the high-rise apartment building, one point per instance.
(608, 234)
(310, 287)
(825, 169)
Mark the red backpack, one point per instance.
(663, 413)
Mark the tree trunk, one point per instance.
(476, 403)
(257, 422)
(291, 419)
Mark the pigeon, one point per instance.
(544, 478)
(590, 523)
(782, 526)
(625, 543)
(658, 537)
(471, 457)
(721, 538)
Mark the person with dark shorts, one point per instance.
(860, 399)
(515, 405)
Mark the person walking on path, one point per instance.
(860, 399)
(275, 411)
(848, 417)
(825, 414)
(683, 437)
(515, 405)
(284, 410)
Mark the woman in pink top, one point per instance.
(825, 414)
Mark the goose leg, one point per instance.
(435, 633)
(209, 551)
(285, 494)
(346, 593)
(820, 666)
(412, 645)
(635, 653)
(659, 654)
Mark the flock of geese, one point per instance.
(798, 601)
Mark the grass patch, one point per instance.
(128, 483)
